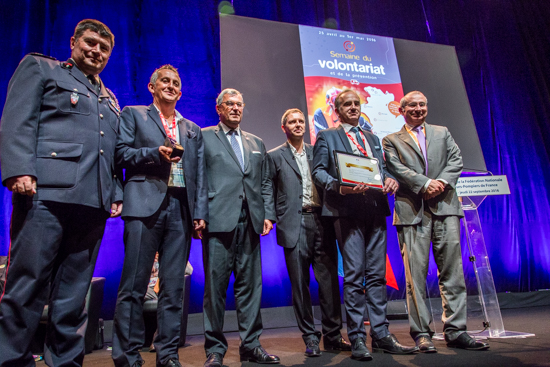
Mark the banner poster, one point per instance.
(336, 60)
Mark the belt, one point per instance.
(311, 209)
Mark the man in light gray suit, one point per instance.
(307, 238)
(241, 209)
(427, 163)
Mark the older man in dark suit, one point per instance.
(166, 197)
(427, 163)
(359, 218)
(57, 139)
(241, 208)
(307, 238)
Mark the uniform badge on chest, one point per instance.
(74, 98)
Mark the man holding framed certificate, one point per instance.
(358, 211)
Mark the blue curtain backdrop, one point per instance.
(502, 46)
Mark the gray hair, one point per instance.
(155, 74)
(338, 100)
(229, 91)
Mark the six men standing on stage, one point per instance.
(218, 184)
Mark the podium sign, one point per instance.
(472, 191)
(482, 186)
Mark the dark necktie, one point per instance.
(358, 136)
(94, 83)
(236, 147)
(422, 142)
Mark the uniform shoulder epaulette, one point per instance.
(113, 99)
(42, 55)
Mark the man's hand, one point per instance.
(358, 189)
(434, 188)
(24, 185)
(390, 186)
(116, 209)
(165, 154)
(199, 225)
(268, 226)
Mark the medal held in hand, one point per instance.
(177, 149)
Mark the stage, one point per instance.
(287, 344)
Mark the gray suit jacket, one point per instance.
(288, 189)
(146, 178)
(55, 127)
(406, 163)
(228, 185)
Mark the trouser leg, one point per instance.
(35, 235)
(73, 271)
(298, 261)
(325, 269)
(375, 276)
(448, 257)
(414, 241)
(218, 258)
(141, 239)
(173, 256)
(351, 241)
(248, 283)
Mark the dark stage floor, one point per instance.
(287, 344)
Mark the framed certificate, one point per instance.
(354, 170)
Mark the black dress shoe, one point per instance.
(214, 360)
(139, 363)
(424, 344)
(390, 344)
(359, 351)
(259, 355)
(170, 363)
(312, 349)
(339, 344)
(465, 341)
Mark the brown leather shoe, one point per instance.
(424, 344)
(338, 344)
(214, 360)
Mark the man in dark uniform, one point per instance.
(57, 143)
(307, 238)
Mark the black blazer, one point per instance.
(146, 178)
(288, 189)
(55, 127)
(325, 175)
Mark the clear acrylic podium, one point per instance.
(490, 309)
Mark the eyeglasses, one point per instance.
(230, 104)
(419, 104)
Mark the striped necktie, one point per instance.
(236, 147)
